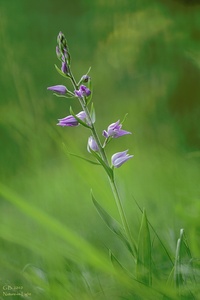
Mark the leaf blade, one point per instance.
(111, 223)
(143, 269)
(108, 170)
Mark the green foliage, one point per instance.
(184, 270)
(112, 224)
(144, 260)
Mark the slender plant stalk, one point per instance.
(112, 180)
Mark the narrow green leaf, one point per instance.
(116, 264)
(88, 71)
(170, 279)
(81, 157)
(64, 96)
(124, 118)
(143, 270)
(159, 239)
(61, 73)
(87, 160)
(112, 224)
(108, 170)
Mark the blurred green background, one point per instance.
(145, 61)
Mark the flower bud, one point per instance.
(64, 68)
(92, 144)
(120, 158)
(85, 78)
(62, 42)
(71, 121)
(60, 89)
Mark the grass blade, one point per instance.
(143, 269)
(184, 275)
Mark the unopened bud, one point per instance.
(62, 42)
(64, 68)
(92, 144)
(85, 78)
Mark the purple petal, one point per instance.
(105, 134)
(60, 89)
(81, 115)
(120, 132)
(78, 93)
(68, 121)
(82, 92)
(114, 130)
(114, 126)
(85, 91)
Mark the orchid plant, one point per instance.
(86, 117)
(141, 251)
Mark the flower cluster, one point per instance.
(83, 91)
(86, 116)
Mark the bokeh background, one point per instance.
(145, 61)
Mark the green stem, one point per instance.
(123, 216)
